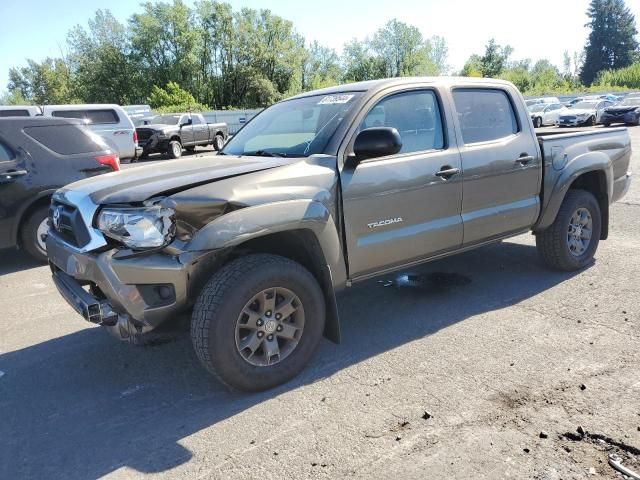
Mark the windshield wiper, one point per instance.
(264, 153)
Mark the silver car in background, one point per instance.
(545, 114)
(586, 112)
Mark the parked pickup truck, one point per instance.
(319, 192)
(172, 132)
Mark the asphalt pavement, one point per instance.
(482, 365)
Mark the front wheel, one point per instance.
(175, 149)
(591, 122)
(571, 241)
(34, 232)
(258, 321)
(537, 122)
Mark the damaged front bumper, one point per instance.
(128, 295)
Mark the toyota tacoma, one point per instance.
(319, 192)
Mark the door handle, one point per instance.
(525, 159)
(10, 176)
(446, 172)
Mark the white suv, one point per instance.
(111, 122)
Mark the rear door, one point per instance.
(396, 208)
(200, 129)
(502, 167)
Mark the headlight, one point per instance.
(151, 226)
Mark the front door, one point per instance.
(14, 190)
(502, 167)
(186, 130)
(402, 207)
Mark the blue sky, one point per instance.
(535, 28)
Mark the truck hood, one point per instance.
(146, 181)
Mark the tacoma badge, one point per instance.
(382, 223)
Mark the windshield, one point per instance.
(587, 105)
(166, 119)
(631, 102)
(293, 128)
(537, 108)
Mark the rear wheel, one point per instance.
(218, 142)
(572, 239)
(33, 233)
(175, 149)
(607, 124)
(258, 321)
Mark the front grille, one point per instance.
(567, 118)
(144, 133)
(66, 221)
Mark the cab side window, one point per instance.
(416, 116)
(484, 114)
(5, 153)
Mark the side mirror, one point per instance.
(376, 142)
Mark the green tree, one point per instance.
(402, 50)
(359, 64)
(101, 62)
(320, 67)
(164, 40)
(173, 98)
(472, 67)
(13, 98)
(495, 59)
(611, 43)
(44, 83)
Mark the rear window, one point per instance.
(14, 113)
(484, 114)
(96, 117)
(64, 139)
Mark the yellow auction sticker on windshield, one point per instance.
(332, 99)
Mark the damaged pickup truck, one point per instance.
(319, 192)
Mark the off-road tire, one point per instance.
(552, 243)
(28, 234)
(174, 150)
(218, 142)
(218, 308)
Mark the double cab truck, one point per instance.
(172, 132)
(319, 192)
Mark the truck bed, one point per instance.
(560, 147)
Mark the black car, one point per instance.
(627, 111)
(38, 155)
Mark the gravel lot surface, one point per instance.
(458, 377)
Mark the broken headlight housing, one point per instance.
(151, 226)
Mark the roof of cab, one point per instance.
(376, 85)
